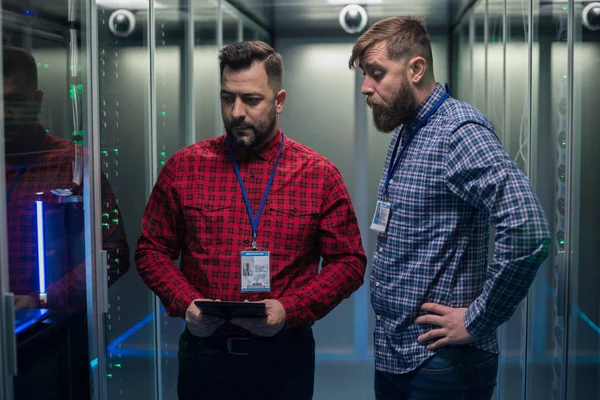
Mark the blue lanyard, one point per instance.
(254, 221)
(395, 161)
(14, 182)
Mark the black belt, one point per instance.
(296, 339)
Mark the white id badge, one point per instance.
(381, 217)
(256, 271)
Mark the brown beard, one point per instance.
(401, 111)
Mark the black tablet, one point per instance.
(232, 309)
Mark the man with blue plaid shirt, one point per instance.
(446, 178)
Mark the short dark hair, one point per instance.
(406, 37)
(240, 56)
(17, 60)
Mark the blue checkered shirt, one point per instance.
(454, 180)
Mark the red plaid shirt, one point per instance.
(197, 209)
(49, 169)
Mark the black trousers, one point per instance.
(218, 368)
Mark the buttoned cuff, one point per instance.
(294, 313)
(181, 303)
(476, 323)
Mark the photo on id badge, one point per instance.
(381, 216)
(255, 274)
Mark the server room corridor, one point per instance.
(118, 87)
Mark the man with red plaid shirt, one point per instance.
(251, 196)
(41, 166)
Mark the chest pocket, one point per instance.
(206, 222)
(296, 227)
(408, 207)
(414, 193)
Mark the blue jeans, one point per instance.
(454, 373)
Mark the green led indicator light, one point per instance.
(562, 242)
(104, 224)
(116, 221)
(117, 365)
(565, 8)
(47, 130)
(39, 65)
(115, 210)
(563, 143)
(46, 66)
(105, 215)
(117, 260)
(565, 76)
(115, 150)
(109, 375)
(80, 86)
(164, 113)
(162, 153)
(162, 163)
(104, 152)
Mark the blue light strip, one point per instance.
(362, 355)
(586, 319)
(576, 310)
(112, 348)
(41, 250)
(332, 357)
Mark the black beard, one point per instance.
(260, 132)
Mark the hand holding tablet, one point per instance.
(231, 309)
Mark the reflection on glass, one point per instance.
(44, 197)
(45, 178)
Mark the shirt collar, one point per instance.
(423, 109)
(266, 152)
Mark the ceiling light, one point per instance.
(128, 4)
(346, 2)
